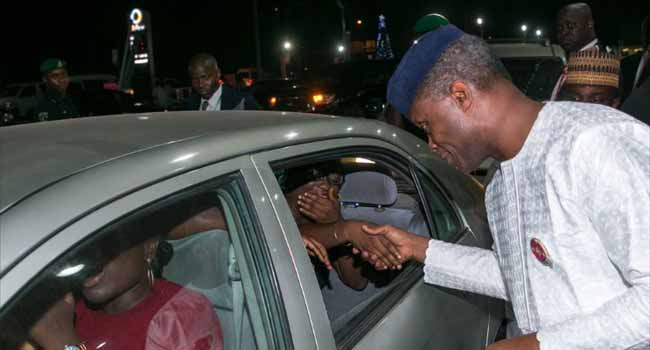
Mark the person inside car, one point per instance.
(124, 306)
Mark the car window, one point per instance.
(535, 77)
(447, 225)
(183, 273)
(369, 188)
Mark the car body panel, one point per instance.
(74, 177)
(299, 323)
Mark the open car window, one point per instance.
(188, 272)
(377, 189)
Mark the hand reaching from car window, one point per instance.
(316, 249)
(377, 250)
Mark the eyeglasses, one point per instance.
(335, 179)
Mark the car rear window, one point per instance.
(535, 76)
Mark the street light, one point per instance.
(524, 30)
(479, 22)
(538, 33)
(340, 49)
(287, 45)
(359, 22)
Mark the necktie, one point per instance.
(204, 105)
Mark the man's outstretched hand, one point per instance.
(526, 342)
(408, 246)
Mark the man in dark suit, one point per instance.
(209, 93)
(635, 69)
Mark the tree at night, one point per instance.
(384, 50)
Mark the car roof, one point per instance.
(37, 155)
(52, 173)
(524, 50)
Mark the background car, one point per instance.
(19, 100)
(91, 181)
(533, 66)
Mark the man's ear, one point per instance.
(462, 95)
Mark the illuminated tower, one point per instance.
(384, 50)
(137, 72)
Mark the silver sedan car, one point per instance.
(181, 231)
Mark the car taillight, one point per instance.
(322, 99)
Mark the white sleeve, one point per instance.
(470, 269)
(616, 196)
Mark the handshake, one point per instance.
(384, 247)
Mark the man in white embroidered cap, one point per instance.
(568, 207)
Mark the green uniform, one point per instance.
(53, 106)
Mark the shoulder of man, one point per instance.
(233, 99)
(192, 102)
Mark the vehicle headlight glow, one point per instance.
(322, 99)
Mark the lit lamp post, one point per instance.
(538, 34)
(340, 53)
(524, 31)
(479, 23)
(287, 46)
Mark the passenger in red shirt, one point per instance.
(124, 307)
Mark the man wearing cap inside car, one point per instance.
(567, 207)
(56, 103)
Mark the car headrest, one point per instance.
(369, 188)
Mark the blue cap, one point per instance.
(416, 63)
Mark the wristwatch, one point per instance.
(80, 346)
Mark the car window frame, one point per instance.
(268, 161)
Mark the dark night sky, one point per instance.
(84, 33)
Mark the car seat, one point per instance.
(225, 292)
(368, 196)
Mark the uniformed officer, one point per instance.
(56, 103)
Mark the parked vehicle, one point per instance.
(534, 66)
(74, 190)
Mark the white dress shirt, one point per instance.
(214, 103)
(580, 187)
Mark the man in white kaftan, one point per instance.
(581, 187)
(569, 206)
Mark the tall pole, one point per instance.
(344, 38)
(258, 51)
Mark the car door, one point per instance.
(410, 314)
(255, 290)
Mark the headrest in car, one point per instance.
(370, 188)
